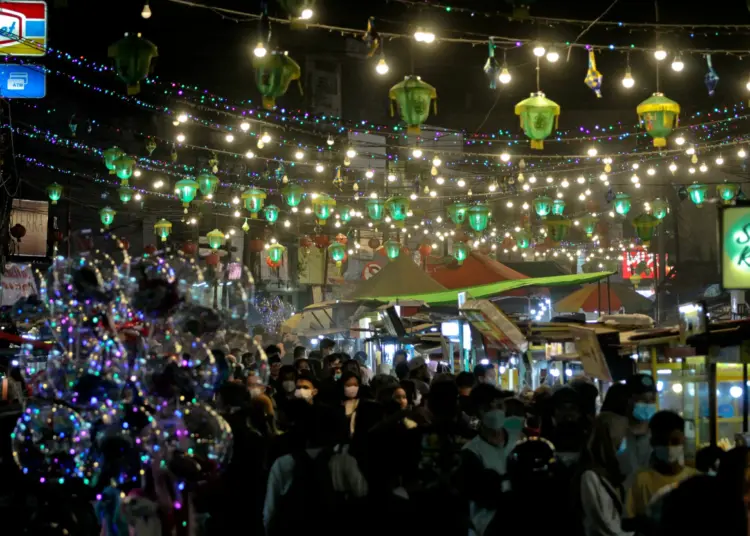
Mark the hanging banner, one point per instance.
(33, 216)
(17, 282)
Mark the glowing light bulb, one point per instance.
(265, 137)
(565, 183)
(260, 50)
(413, 197)
(691, 170)
(635, 179)
(628, 81)
(552, 56)
(509, 204)
(505, 76)
(719, 160)
(636, 165)
(461, 183)
(299, 155)
(672, 167)
(603, 177)
(229, 138)
(180, 138)
(677, 64)
(306, 14)
(539, 50)
(660, 54)
(436, 161)
(369, 173)
(417, 153)
(319, 168)
(182, 118)
(550, 180)
(581, 179)
(679, 140)
(235, 200)
(440, 180)
(505, 157)
(741, 153)
(422, 36)
(382, 67)
(703, 167)
(330, 141)
(237, 214)
(137, 197)
(351, 153)
(392, 178)
(249, 154)
(592, 152)
(158, 184)
(244, 126)
(433, 193)
(532, 179)
(651, 171)
(525, 206)
(137, 173)
(146, 13)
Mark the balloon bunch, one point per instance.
(123, 395)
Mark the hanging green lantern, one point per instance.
(413, 97)
(126, 194)
(163, 228)
(558, 207)
(697, 192)
(186, 190)
(54, 192)
(345, 214)
(543, 206)
(538, 118)
(375, 209)
(392, 249)
(323, 206)
(557, 227)
(110, 156)
(215, 239)
(457, 212)
(588, 222)
(398, 207)
(479, 217)
(658, 115)
(124, 167)
(253, 199)
(659, 208)
(523, 239)
(645, 225)
(460, 252)
(133, 57)
(292, 194)
(208, 184)
(107, 216)
(622, 204)
(276, 253)
(273, 74)
(727, 192)
(271, 213)
(337, 252)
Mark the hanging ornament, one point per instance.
(107, 216)
(213, 162)
(275, 252)
(682, 193)
(347, 161)
(337, 179)
(208, 183)
(245, 226)
(491, 66)
(478, 217)
(73, 125)
(163, 228)
(392, 249)
(622, 204)
(521, 178)
(126, 194)
(645, 225)
(413, 97)
(341, 239)
(659, 208)
(273, 74)
(694, 159)
(271, 213)
(375, 209)
(460, 252)
(337, 252)
(292, 194)
(607, 165)
(424, 250)
(457, 213)
(659, 116)
(345, 214)
(697, 192)
(186, 190)
(522, 164)
(124, 168)
(523, 239)
(54, 192)
(434, 171)
(110, 156)
(215, 239)
(398, 207)
(558, 207)
(173, 154)
(711, 79)
(373, 243)
(542, 206)
(371, 38)
(133, 58)
(588, 222)
(593, 77)
(253, 199)
(150, 146)
(557, 227)
(323, 206)
(538, 118)
(727, 192)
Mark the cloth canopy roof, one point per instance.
(493, 289)
(477, 269)
(592, 298)
(399, 277)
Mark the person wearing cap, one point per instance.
(636, 454)
(419, 374)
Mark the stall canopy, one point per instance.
(493, 289)
(477, 269)
(398, 278)
(591, 298)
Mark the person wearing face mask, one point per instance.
(306, 387)
(667, 466)
(486, 374)
(350, 387)
(597, 489)
(287, 383)
(641, 408)
(515, 420)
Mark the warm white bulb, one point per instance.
(672, 167)
(306, 14)
(428, 37)
(748, 86)
(719, 160)
(158, 184)
(679, 140)
(691, 170)
(636, 165)
(330, 141)
(539, 50)
(413, 197)
(553, 56)
(592, 152)
(249, 154)
(660, 54)
(137, 197)
(440, 180)
(235, 200)
(180, 138)
(382, 67)
(651, 171)
(505, 76)
(229, 138)
(509, 204)
(505, 157)
(461, 183)
(299, 155)
(369, 173)
(319, 168)
(351, 153)
(182, 118)
(565, 183)
(703, 168)
(417, 153)
(265, 138)
(690, 151)
(677, 64)
(581, 179)
(244, 126)
(628, 81)
(260, 50)
(550, 180)
(433, 193)
(741, 153)
(635, 179)
(603, 177)
(436, 161)
(146, 13)
(392, 178)
(137, 173)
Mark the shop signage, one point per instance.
(639, 262)
(33, 216)
(734, 247)
(590, 353)
(494, 325)
(22, 82)
(17, 282)
(23, 28)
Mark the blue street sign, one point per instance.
(22, 81)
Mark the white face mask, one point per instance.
(417, 398)
(672, 454)
(351, 391)
(305, 394)
(288, 386)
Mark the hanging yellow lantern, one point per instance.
(323, 206)
(163, 228)
(253, 198)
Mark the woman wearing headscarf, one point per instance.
(598, 489)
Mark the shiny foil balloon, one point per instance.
(51, 442)
(152, 289)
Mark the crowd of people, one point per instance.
(324, 444)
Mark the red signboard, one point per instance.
(640, 262)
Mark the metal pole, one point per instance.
(713, 405)
(599, 295)
(745, 399)
(609, 301)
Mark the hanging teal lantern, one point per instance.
(163, 228)
(126, 194)
(543, 206)
(479, 217)
(186, 190)
(375, 209)
(392, 249)
(208, 184)
(558, 207)
(133, 58)
(659, 207)
(557, 227)
(523, 239)
(460, 252)
(337, 252)
(292, 194)
(124, 168)
(323, 206)
(253, 199)
(110, 156)
(727, 192)
(622, 204)
(457, 213)
(398, 207)
(589, 222)
(54, 192)
(271, 213)
(107, 216)
(215, 239)
(276, 253)
(697, 193)
(273, 74)
(345, 214)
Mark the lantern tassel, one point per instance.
(253, 216)
(393, 112)
(413, 129)
(537, 144)
(660, 142)
(299, 86)
(269, 103)
(134, 89)
(434, 106)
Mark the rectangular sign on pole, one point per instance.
(22, 82)
(23, 28)
(734, 247)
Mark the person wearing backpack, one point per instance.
(307, 489)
